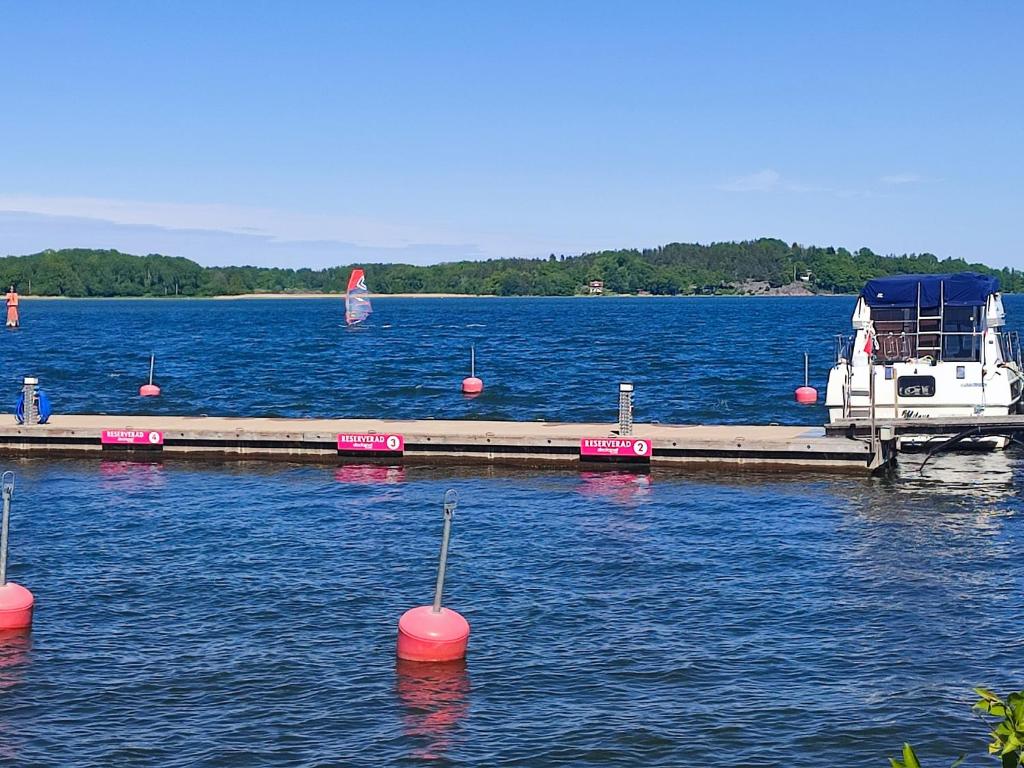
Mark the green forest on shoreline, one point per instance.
(753, 266)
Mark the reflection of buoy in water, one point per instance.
(15, 645)
(16, 602)
(471, 385)
(151, 389)
(430, 632)
(806, 394)
(435, 699)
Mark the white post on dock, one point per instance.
(31, 409)
(626, 408)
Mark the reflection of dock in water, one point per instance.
(453, 442)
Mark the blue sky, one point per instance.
(308, 134)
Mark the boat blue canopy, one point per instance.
(964, 289)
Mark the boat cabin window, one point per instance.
(940, 333)
(916, 386)
(896, 333)
(960, 339)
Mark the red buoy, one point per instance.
(427, 636)
(16, 605)
(431, 632)
(806, 395)
(471, 385)
(16, 602)
(151, 389)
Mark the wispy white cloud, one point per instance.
(897, 179)
(230, 234)
(271, 223)
(762, 181)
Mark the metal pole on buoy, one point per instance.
(451, 500)
(471, 385)
(16, 602)
(806, 394)
(432, 632)
(151, 389)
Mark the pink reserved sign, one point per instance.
(131, 437)
(371, 443)
(615, 447)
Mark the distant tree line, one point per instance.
(675, 269)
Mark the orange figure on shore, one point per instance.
(12, 309)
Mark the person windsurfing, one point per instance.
(357, 305)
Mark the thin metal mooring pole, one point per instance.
(807, 375)
(472, 361)
(152, 360)
(451, 500)
(8, 491)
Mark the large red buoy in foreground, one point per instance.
(151, 389)
(431, 632)
(16, 602)
(806, 395)
(424, 635)
(16, 605)
(471, 385)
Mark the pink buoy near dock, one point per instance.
(151, 389)
(806, 395)
(16, 602)
(471, 385)
(431, 633)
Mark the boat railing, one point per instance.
(1012, 348)
(843, 347)
(937, 345)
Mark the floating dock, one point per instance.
(536, 444)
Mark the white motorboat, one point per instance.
(928, 346)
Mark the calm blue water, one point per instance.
(244, 614)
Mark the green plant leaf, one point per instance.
(909, 758)
(1011, 743)
(988, 695)
(958, 760)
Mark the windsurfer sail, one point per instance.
(357, 306)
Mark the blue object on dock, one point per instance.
(43, 408)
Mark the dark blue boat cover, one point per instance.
(964, 289)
